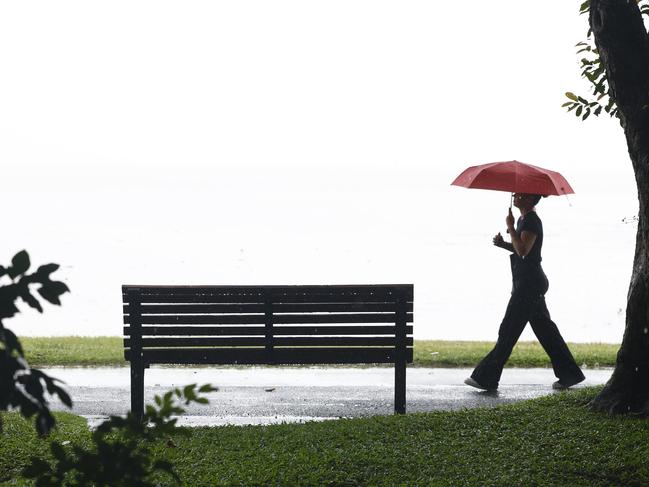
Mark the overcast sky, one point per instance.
(287, 142)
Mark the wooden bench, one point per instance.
(267, 325)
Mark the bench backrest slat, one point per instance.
(256, 319)
(224, 308)
(260, 330)
(277, 294)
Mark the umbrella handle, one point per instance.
(511, 203)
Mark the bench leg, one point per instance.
(400, 387)
(137, 391)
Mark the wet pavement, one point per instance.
(265, 395)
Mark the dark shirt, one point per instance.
(527, 271)
(532, 223)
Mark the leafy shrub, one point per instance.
(121, 453)
(22, 387)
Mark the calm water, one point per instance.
(307, 227)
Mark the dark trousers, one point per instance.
(527, 306)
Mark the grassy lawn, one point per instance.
(108, 351)
(432, 353)
(73, 350)
(552, 441)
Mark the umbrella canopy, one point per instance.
(514, 177)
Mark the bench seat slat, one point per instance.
(170, 330)
(259, 319)
(278, 356)
(311, 341)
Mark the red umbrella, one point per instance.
(514, 177)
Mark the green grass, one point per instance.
(19, 442)
(74, 350)
(552, 441)
(432, 353)
(108, 351)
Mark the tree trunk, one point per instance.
(623, 46)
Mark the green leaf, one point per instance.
(46, 270)
(572, 96)
(51, 290)
(28, 298)
(59, 287)
(49, 296)
(63, 396)
(584, 7)
(586, 114)
(19, 264)
(8, 309)
(44, 422)
(208, 388)
(12, 343)
(188, 391)
(579, 110)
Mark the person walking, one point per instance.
(527, 303)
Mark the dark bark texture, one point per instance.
(622, 41)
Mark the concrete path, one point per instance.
(265, 395)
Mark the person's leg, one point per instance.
(563, 363)
(487, 373)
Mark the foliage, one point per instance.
(121, 448)
(22, 387)
(593, 70)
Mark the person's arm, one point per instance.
(523, 243)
